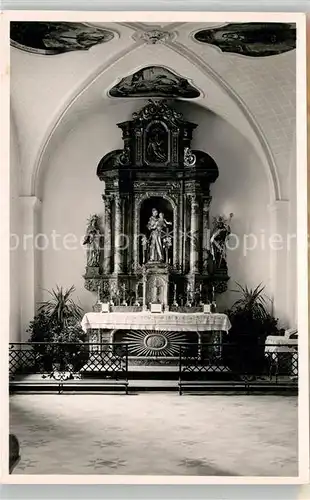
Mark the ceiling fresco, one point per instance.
(251, 39)
(154, 81)
(50, 38)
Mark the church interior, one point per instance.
(153, 219)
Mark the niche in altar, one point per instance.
(155, 244)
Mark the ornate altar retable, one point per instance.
(155, 244)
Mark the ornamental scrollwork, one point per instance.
(92, 284)
(189, 157)
(220, 286)
(124, 157)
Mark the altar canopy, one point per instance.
(168, 321)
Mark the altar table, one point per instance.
(169, 321)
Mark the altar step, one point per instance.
(163, 372)
(35, 384)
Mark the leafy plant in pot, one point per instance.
(58, 324)
(251, 323)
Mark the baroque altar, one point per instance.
(156, 244)
(154, 335)
(155, 248)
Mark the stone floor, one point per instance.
(156, 434)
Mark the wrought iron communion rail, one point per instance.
(63, 363)
(195, 364)
(238, 365)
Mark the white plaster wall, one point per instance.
(243, 189)
(292, 246)
(71, 192)
(15, 230)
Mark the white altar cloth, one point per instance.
(169, 321)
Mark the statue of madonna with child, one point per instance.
(159, 240)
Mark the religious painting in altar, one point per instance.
(154, 81)
(52, 38)
(251, 39)
(157, 144)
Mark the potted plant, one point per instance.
(251, 323)
(58, 324)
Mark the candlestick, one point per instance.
(124, 303)
(188, 295)
(175, 304)
(137, 295)
(144, 293)
(200, 295)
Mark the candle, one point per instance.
(144, 293)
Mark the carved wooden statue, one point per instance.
(218, 241)
(158, 240)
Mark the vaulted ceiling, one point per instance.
(72, 74)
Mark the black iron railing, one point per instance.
(65, 361)
(235, 363)
(200, 362)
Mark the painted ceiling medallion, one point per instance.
(154, 81)
(251, 39)
(153, 36)
(50, 38)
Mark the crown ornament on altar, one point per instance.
(157, 108)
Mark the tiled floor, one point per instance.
(156, 434)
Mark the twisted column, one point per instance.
(117, 235)
(205, 232)
(107, 236)
(194, 255)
